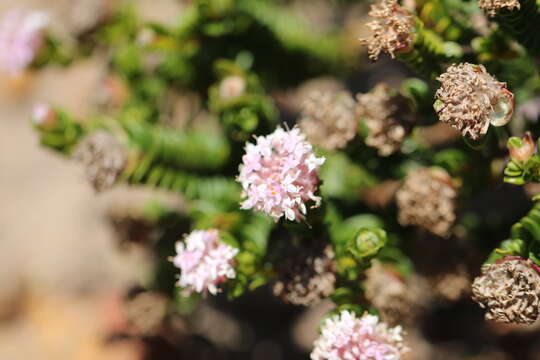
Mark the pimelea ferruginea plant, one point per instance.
(362, 201)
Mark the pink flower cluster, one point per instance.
(42, 114)
(204, 262)
(346, 337)
(21, 37)
(279, 174)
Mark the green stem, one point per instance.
(430, 52)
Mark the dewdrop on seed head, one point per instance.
(205, 262)
(279, 175)
(470, 99)
(392, 29)
(21, 37)
(346, 337)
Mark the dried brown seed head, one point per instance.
(307, 277)
(387, 117)
(470, 99)
(392, 29)
(388, 293)
(427, 199)
(328, 120)
(509, 291)
(104, 158)
(492, 7)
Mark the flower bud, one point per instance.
(43, 116)
(521, 149)
(232, 87)
(367, 243)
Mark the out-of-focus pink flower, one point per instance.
(204, 262)
(43, 115)
(21, 37)
(279, 175)
(346, 337)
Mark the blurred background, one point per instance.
(69, 280)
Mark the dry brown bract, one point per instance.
(104, 158)
(492, 7)
(509, 291)
(427, 199)
(470, 99)
(387, 116)
(307, 277)
(392, 29)
(328, 120)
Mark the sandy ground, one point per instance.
(58, 264)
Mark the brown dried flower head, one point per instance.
(328, 119)
(492, 7)
(104, 158)
(307, 277)
(452, 285)
(392, 29)
(387, 117)
(428, 199)
(388, 293)
(509, 291)
(470, 99)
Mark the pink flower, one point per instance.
(279, 175)
(346, 337)
(43, 115)
(21, 37)
(204, 262)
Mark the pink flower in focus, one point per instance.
(21, 37)
(346, 337)
(279, 174)
(204, 262)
